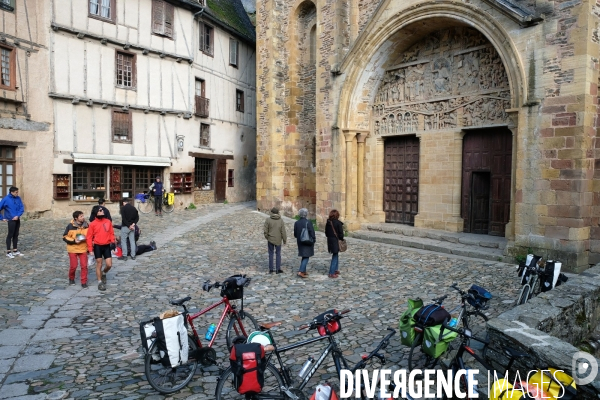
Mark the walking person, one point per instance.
(275, 234)
(129, 218)
(12, 208)
(305, 249)
(335, 232)
(157, 190)
(75, 237)
(100, 235)
(96, 208)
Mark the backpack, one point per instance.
(248, 366)
(432, 314)
(172, 340)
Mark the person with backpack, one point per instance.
(275, 234)
(157, 190)
(129, 219)
(12, 208)
(75, 238)
(306, 245)
(100, 236)
(95, 211)
(334, 230)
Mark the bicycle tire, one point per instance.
(476, 331)
(155, 371)
(234, 331)
(524, 295)
(418, 359)
(146, 207)
(273, 382)
(168, 208)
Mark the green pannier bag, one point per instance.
(407, 323)
(433, 344)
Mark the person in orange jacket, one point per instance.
(76, 247)
(99, 238)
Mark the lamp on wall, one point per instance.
(180, 142)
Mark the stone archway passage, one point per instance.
(486, 177)
(401, 197)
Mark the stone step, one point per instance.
(440, 246)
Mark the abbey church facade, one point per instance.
(475, 116)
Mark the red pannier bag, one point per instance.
(248, 365)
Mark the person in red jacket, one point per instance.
(100, 236)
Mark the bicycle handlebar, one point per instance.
(328, 317)
(375, 353)
(206, 286)
(464, 333)
(440, 300)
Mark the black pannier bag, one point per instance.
(233, 287)
(431, 315)
(551, 275)
(248, 366)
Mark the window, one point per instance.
(230, 178)
(125, 70)
(89, 181)
(8, 77)
(239, 101)
(7, 169)
(121, 126)
(313, 44)
(202, 102)
(203, 173)
(234, 47)
(204, 135)
(103, 9)
(163, 15)
(7, 5)
(206, 38)
(139, 179)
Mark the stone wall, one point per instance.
(204, 197)
(551, 326)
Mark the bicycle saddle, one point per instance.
(268, 325)
(513, 353)
(180, 301)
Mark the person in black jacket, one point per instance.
(305, 250)
(95, 211)
(129, 218)
(334, 227)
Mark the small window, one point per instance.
(234, 47)
(230, 178)
(203, 173)
(7, 5)
(239, 100)
(206, 38)
(202, 103)
(163, 15)
(121, 126)
(103, 9)
(125, 70)
(8, 76)
(204, 135)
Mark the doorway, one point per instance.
(401, 175)
(221, 186)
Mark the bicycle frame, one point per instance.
(229, 309)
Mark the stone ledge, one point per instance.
(550, 325)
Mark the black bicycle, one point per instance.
(278, 383)
(473, 302)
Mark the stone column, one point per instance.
(457, 221)
(349, 135)
(509, 231)
(360, 140)
(379, 214)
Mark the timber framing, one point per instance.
(211, 156)
(127, 46)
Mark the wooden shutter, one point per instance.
(202, 36)
(233, 51)
(169, 13)
(158, 17)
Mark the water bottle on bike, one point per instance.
(210, 332)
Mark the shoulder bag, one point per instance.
(305, 236)
(341, 243)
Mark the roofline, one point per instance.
(225, 26)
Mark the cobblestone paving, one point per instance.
(61, 341)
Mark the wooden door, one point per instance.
(401, 196)
(487, 166)
(116, 176)
(221, 184)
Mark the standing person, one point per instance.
(77, 247)
(12, 208)
(157, 190)
(99, 238)
(304, 250)
(96, 208)
(334, 231)
(275, 234)
(129, 218)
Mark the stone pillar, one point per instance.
(509, 232)
(349, 136)
(360, 198)
(379, 214)
(457, 224)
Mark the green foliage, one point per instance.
(191, 206)
(314, 222)
(297, 217)
(225, 202)
(521, 258)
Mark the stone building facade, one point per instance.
(130, 90)
(472, 116)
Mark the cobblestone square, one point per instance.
(61, 341)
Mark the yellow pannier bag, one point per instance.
(503, 390)
(170, 198)
(552, 387)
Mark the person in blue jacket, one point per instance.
(157, 190)
(12, 208)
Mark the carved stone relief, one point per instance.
(452, 78)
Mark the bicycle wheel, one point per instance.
(166, 379)
(146, 206)
(273, 382)
(417, 358)
(476, 323)
(168, 208)
(524, 295)
(234, 329)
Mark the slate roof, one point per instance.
(232, 15)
